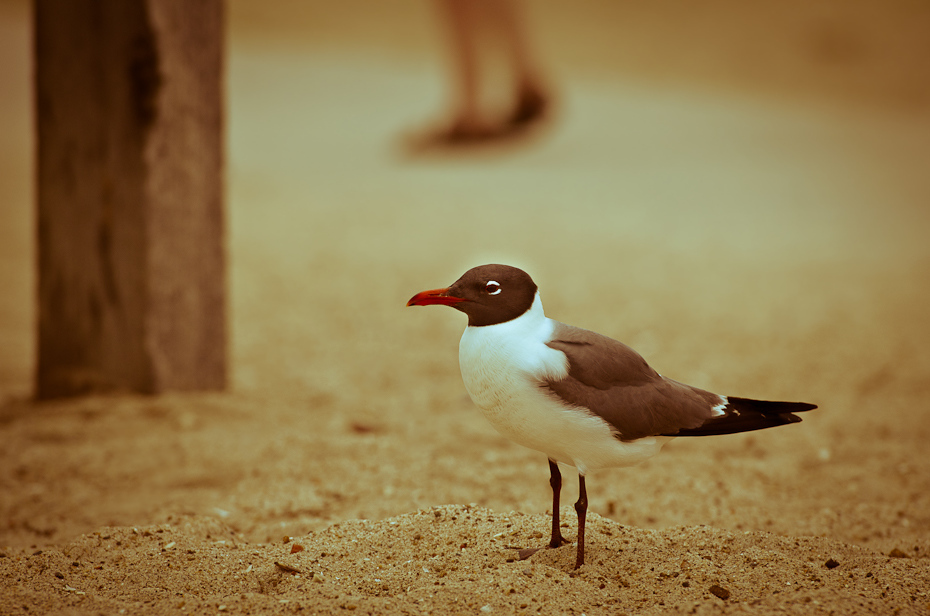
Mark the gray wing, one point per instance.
(616, 383)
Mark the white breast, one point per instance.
(504, 366)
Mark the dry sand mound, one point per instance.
(458, 559)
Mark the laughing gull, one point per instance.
(579, 397)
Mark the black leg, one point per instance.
(581, 508)
(555, 480)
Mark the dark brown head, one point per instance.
(488, 294)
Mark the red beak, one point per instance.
(435, 296)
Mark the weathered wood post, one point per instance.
(129, 98)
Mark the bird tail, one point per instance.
(746, 415)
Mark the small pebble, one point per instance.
(719, 591)
(896, 553)
(831, 564)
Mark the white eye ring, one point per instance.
(490, 285)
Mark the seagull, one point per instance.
(581, 398)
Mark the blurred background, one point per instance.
(738, 190)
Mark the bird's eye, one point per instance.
(492, 287)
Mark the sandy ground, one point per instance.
(759, 233)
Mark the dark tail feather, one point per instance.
(746, 415)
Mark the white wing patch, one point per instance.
(718, 410)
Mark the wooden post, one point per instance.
(129, 98)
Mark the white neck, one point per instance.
(518, 343)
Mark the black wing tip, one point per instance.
(748, 415)
(768, 407)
